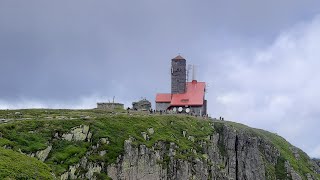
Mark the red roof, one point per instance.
(163, 97)
(193, 97)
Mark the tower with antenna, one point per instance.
(187, 95)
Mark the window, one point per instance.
(184, 100)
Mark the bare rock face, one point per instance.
(78, 134)
(242, 160)
(295, 152)
(316, 165)
(93, 168)
(64, 176)
(90, 168)
(228, 154)
(138, 163)
(291, 172)
(311, 177)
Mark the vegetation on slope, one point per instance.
(31, 135)
(33, 130)
(14, 165)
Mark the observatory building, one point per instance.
(142, 105)
(109, 106)
(185, 97)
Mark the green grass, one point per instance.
(14, 165)
(280, 169)
(167, 129)
(66, 153)
(270, 171)
(221, 145)
(33, 135)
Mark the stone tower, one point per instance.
(178, 75)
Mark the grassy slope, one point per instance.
(14, 165)
(35, 134)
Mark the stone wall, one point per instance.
(178, 76)
(204, 110)
(197, 110)
(194, 110)
(162, 106)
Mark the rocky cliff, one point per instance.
(98, 145)
(229, 154)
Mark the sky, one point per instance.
(259, 59)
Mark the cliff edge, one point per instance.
(93, 144)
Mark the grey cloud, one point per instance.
(275, 88)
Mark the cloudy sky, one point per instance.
(260, 59)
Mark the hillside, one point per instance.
(16, 165)
(93, 144)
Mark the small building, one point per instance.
(110, 106)
(185, 97)
(142, 105)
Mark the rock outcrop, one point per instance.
(316, 165)
(239, 157)
(228, 154)
(139, 163)
(291, 173)
(42, 155)
(78, 134)
(89, 167)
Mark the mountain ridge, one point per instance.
(93, 144)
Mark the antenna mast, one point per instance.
(189, 72)
(193, 72)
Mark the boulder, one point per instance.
(151, 131)
(77, 134)
(144, 135)
(42, 155)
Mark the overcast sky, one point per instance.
(261, 59)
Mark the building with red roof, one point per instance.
(185, 97)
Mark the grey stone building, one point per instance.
(110, 106)
(185, 97)
(142, 105)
